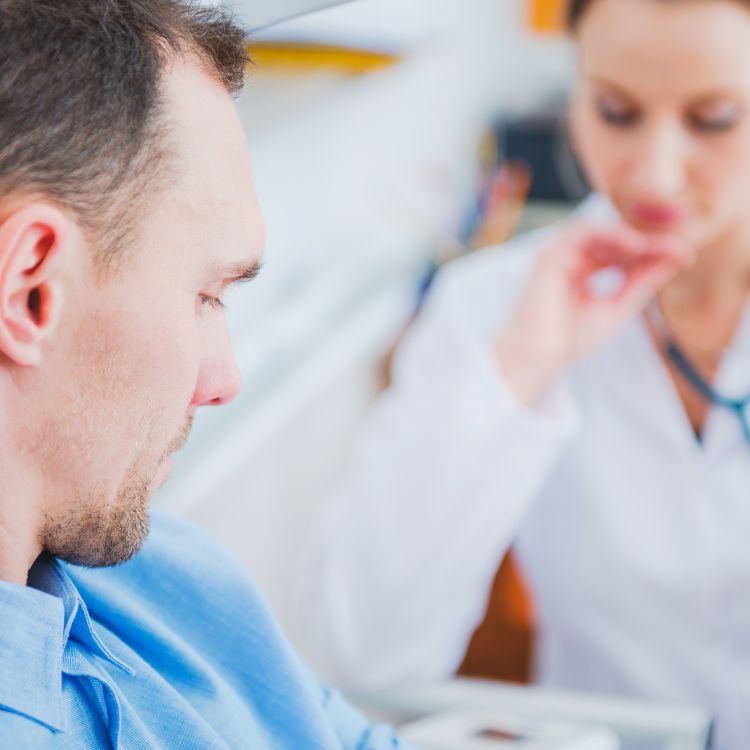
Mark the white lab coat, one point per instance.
(633, 537)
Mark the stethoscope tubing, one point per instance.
(739, 406)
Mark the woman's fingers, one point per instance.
(589, 238)
(625, 259)
(628, 249)
(645, 279)
(567, 310)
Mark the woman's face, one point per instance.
(661, 114)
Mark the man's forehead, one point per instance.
(213, 193)
(204, 129)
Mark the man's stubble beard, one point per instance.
(95, 535)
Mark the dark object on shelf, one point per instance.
(540, 140)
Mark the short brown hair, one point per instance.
(81, 115)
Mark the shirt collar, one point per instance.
(38, 621)
(49, 576)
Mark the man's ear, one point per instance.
(33, 244)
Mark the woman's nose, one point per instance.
(659, 165)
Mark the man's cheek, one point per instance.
(179, 374)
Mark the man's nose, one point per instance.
(219, 379)
(659, 169)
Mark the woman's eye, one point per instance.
(215, 302)
(616, 116)
(711, 124)
(717, 117)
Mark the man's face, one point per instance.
(135, 356)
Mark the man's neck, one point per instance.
(15, 559)
(19, 526)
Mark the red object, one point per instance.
(657, 216)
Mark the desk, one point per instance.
(639, 725)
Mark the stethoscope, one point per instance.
(738, 406)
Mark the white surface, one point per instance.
(467, 730)
(256, 14)
(638, 724)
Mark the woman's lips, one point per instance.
(657, 215)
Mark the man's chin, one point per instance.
(101, 540)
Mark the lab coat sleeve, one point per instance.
(396, 576)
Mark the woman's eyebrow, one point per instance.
(613, 87)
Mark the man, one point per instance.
(126, 210)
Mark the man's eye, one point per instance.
(215, 302)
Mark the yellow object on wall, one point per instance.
(547, 16)
(303, 57)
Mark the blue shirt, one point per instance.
(175, 649)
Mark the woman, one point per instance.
(543, 404)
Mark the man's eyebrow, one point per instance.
(239, 273)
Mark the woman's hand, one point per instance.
(570, 307)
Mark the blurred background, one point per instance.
(386, 138)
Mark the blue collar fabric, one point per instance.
(38, 620)
(212, 669)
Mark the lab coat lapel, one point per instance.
(641, 384)
(723, 432)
